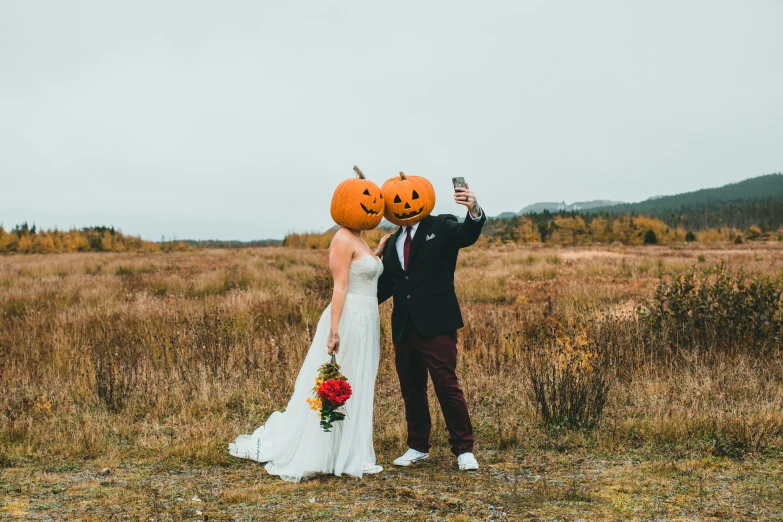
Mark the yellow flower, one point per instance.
(315, 404)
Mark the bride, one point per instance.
(292, 443)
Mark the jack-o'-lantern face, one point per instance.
(409, 199)
(357, 203)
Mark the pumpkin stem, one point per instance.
(402, 175)
(359, 173)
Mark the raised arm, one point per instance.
(340, 255)
(461, 235)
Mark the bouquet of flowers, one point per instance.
(330, 393)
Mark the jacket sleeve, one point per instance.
(461, 235)
(385, 287)
(386, 283)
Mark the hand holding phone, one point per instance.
(464, 196)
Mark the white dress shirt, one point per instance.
(400, 244)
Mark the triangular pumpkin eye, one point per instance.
(415, 195)
(381, 195)
(397, 199)
(366, 192)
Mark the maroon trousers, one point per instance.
(415, 357)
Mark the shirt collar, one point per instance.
(413, 227)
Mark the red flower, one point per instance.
(335, 391)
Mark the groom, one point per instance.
(419, 262)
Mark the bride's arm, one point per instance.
(340, 255)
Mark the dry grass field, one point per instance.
(149, 364)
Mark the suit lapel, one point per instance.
(391, 252)
(418, 240)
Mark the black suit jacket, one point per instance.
(425, 293)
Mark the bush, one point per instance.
(211, 338)
(650, 238)
(569, 379)
(690, 236)
(715, 307)
(116, 357)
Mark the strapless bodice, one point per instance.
(363, 276)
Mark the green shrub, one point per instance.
(715, 307)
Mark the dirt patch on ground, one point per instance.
(511, 485)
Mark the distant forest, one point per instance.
(26, 239)
(756, 201)
(231, 243)
(751, 210)
(573, 228)
(748, 210)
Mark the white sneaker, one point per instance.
(371, 469)
(467, 462)
(410, 457)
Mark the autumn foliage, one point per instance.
(574, 229)
(23, 239)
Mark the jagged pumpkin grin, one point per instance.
(412, 213)
(369, 211)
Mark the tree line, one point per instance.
(26, 239)
(756, 201)
(560, 228)
(323, 239)
(698, 216)
(231, 243)
(573, 229)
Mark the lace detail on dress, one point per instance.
(363, 276)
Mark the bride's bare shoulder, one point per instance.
(341, 252)
(343, 243)
(342, 239)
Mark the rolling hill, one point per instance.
(751, 209)
(761, 188)
(557, 207)
(754, 201)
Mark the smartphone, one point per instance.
(458, 182)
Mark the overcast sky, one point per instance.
(236, 119)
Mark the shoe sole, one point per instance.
(372, 472)
(409, 462)
(469, 469)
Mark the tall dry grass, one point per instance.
(173, 355)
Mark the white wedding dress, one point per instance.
(292, 443)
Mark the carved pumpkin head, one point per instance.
(357, 203)
(409, 199)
